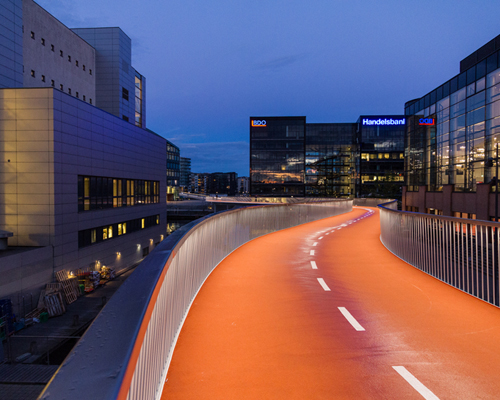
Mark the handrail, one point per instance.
(461, 252)
(126, 352)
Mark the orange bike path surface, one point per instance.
(264, 327)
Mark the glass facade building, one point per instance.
(380, 164)
(290, 157)
(330, 160)
(277, 154)
(453, 131)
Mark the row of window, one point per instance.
(61, 87)
(61, 53)
(97, 193)
(100, 234)
(458, 82)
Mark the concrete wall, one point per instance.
(89, 141)
(26, 166)
(25, 272)
(47, 139)
(43, 61)
(481, 203)
(11, 43)
(113, 70)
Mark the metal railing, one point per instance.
(126, 352)
(463, 253)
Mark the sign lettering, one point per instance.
(426, 121)
(384, 121)
(257, 122)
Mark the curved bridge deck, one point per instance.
(324, 311)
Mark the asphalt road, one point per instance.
(324, 311)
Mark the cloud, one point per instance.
(280, 62)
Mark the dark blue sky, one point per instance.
(210, 65)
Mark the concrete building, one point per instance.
(173, 171)
(80, 186)
(11, 39)
(53, 56)
(120, 89)
(452, 141)
(243, 185)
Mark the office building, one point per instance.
(222, 183)
(451, 141)
(290, 157)
(243, 185)
(185, 172)
(80, 186)
(173, 171)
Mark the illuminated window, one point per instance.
(142, 223)
(104, 233)
(110, 231)
(124, 228)
(387, 156)
(157, 220)
(120, 229)
(401, 155)
(86, 193)
(93, 236)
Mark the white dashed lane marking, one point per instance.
(323, 285)
(417, 385)
(348, 316)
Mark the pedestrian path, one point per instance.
(324, 311)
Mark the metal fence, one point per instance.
(126, 352)
(461, 252)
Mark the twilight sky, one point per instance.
(210, 65)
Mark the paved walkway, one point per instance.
(324, 311)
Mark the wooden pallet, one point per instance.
(76, 286)
(69, 291)
(54, 304)
(41, 300)
(35, 313)
(61, 275)
(52, 288)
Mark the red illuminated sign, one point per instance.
(257, 122)
(426, 121)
